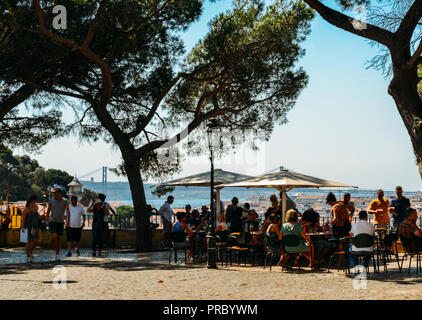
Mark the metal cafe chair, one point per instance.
(269, 252)
(364, 240)
(178, 242)
(240, 247)
(409, 253)
(384, 250)
(342, 252)
(222, 243)
(289, 240)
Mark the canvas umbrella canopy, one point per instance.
(285, 180)
(204, 180)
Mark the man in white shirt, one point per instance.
(74, 225)
(362, 226)
(166, 213)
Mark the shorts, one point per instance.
(32, 237)
(57, 227)
(73, 234)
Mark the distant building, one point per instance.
(75, 188)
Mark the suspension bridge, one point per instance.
(90, 175)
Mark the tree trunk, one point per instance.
(403, 88)
(143, 231)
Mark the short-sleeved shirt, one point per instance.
(166, 211)
(76, 214)
(383, 204)
(407, 230)
(362, 227)
(194, 222)
(295, 229)
(58, 208)
(341, 214)
(400, 206)
(251, 226)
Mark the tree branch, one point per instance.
(94, 25)
(18, 97)
(415, 57)
(344, 22)
(100, 108)
(196, 122)
(410, 21)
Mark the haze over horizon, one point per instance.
(344, 126)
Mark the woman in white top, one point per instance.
(222, 225)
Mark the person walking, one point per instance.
(398, 208)
(30, 224)
(166, 213)
(379, 208)
(74, 226)
(99, 211)
(56, 215)
(102, 197)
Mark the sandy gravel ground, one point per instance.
(136, 276)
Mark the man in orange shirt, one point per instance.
(379, 208)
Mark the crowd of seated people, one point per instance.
(241, 219)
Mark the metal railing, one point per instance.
(127, 223)
(323, 220)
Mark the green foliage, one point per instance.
(125, 211)
(250, 55)
(161, 191)
(55, 176)
(247, 64)
(26, 176)
(89, 195)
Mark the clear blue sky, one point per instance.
(344, 126)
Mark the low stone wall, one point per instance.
(123, 238)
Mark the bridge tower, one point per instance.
(105, 180)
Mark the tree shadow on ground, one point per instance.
(125, 266)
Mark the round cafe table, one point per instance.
(313, 238)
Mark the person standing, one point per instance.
(290, 204)
(99, 211)
(31, 221)
(74, 225)
(102, 197)
(379, 208)
(57, 207)
(166, 213)
(274, 202)
(188, 210)
(398, 208)
(340, 223)
(234, 216)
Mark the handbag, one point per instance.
(24, 235)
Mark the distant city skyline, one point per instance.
(344, 126)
